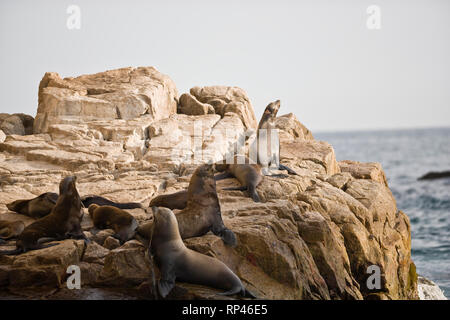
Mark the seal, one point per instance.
(109, 217)
(10, 229)
(176, 262)
(202, 212)
(64, 221)
(267, 141)
(37, 207)
(177, 200)
(249, 175)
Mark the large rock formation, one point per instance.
(313, 236)
(125, 93)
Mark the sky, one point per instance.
(318, 57)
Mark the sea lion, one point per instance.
(109, 217)
(63, 222)
(202, 213)
(42, 205)
(176, 262)
(37, 207)
(177, 200)
(93, 199)
(10, 229)
(249, 175)
(267, 142)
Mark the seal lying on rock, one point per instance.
(249, 175)
(109, 217)
(42, 205)
(63, 222)
(202, 213)
(268, 155)
(177, 200)
(176, 262)
(10, 229)
(37, 207)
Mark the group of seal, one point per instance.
(64, 221)
(59, 217)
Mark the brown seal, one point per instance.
(63, 221)
(268, 155)
(202, 213)
(176, 262)
(249, 175)
(37, 207)
(10, 229)
(177, 200)
(109, 217)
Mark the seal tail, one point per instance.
(289, 170)
(87, 201)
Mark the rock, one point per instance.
(364, 170)
(340, 180)
(435, 175)
(95, 253)
(125, 267)
(291, 129)
(316, 156)
(125, 93)
(2, 136)
(18, 123)
(428, 290)
(111, 243)
(191, 106)
(227, 99)
(45, 267)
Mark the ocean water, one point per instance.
(405, 156)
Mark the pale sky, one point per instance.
(318, 57)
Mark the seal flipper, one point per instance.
(289, 170)
(167, 282)
(228, 236)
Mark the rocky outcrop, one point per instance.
(227, 99)
(17, 123)
(313, 236)
(125, 93)
(428, 290)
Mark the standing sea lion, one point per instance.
(62, 222)
(176, 262)
(109, 217)
(267, 141)
(37, 207)
(177, 200)
(10, 229)
(202, 212)
(249, 175)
